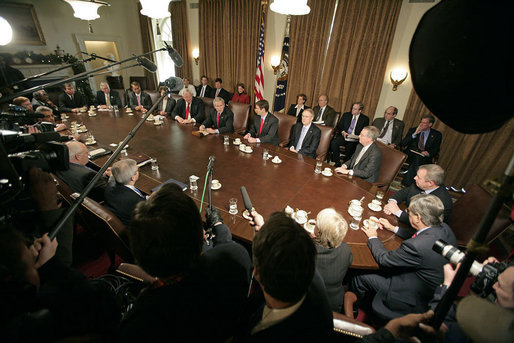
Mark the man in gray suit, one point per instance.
(306, 135)
(390, 128)
(323, 113)
(365, 162)
(139, 100)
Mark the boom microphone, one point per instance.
(212, 159)
(31, 115)
(174, 55)
(147, 64)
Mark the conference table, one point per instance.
(270, 186)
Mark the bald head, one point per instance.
(77, 152)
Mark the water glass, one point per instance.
(355, 223)
(232, 206)
(226, 140)
(319, 164)
(380, 195)
(265, 154)
(155, 166)
(192, 183)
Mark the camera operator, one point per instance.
(49, 118)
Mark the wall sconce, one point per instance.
(275, 63)
(397, 77)
(196, 55)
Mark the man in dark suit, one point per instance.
(71, 101)
(422, 144)
(297, 109)
(219, 91)
(105, 98)
(265, 125)
(306, 135)
(204, 90)
(189, 109)
(367, 159)
(78, 176)
(121, 194)
(139, 100)
(350, 124)
(429, 180)
(40, 98)
(220, 118)
(323, 113)
(390, 128)
(409, 274)
(168, 103)
(166, 236)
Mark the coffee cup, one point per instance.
(355, 202)
(375, 202)
(288, 210)
(216, 183)
(237, 140)
(373, 222)
(311, 223)
(327, 170)
(301, 215)
(248, 149)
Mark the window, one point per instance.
(165, 66)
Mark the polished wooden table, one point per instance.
(271, 186)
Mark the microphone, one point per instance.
(212, 159)
(174, 55)
(96, 56)
(246, 200)
(14, 115)
(147, 64)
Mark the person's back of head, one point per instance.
(165, 232)
(123, 170)
(284, 258)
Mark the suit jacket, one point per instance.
(208, 91)
(415, 271)
(170, 105)
(310, 142)
(292, 111)
(66, 104)
(121, 201)
(396, 135)
(329, 115)
(196, 110)
(226, 120)
(37, 103)
(269, 132)
(407, 193)
(146, 100)
(346, 121)
(223, 94)
(432, 145)
(114, 97)
(332, 264)
(77, 177)
(369, 165)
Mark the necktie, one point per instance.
(138, 192)
(71, 96)
(217, 92)
(187, 111)
(352, 125)
(414, 235)
(202, 93)
(320, 114)
(138, 96)
(302, 137)
(164, 104)
(359, 156)
(218, 121)
(421, 143)
(298, 110)
(108, 99)
(384, 130)
(260, 129)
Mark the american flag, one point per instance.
(259, 75)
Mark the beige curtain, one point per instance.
(467, 158)
(229, 37)
(181, 41)
(148, 45)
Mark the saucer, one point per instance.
(113, 144)
(82, 131)
(215, 188)
(157, 123)
(326, 174)
(300, 221)
(276, 162)
(236, 143)
(150, 118)
(248, 151)
(90, 143)
(376, 208)
(309, 228)
(353, 214)
(246, 215)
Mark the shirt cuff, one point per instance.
(398, 213)
(413, 136)
(217, 131)
(396, 228)
(258, 140)
(193, 120)
(372, 237)
(350, 172)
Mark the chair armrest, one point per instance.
(351, 327)
(135, 272)
(349, 299)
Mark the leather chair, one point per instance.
(154, 95)
(241, 114)
(176, 96)
(123, 95)
(336, 119)
(143, 81)
(115, 82)
(348, 326)
(208, 104)
(285, 125)
(468, 211)
(324, 143)
(134, 272)
(392, 161)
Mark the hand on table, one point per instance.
(210, 130)
(202, 127)
(391, 207)
(425, 153)
(292, 149)
(251, 140)
(342, 170)
(344, 133)
(370, 232)
(385, 224)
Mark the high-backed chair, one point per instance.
(241, 114)
(176, 96)
(324, 142)
(154, 95)
(208, 104)
(350, 327)
(467, 213)
(392, 161)
(123, 95)
(336, 119)
(143, 81)
(115, 82)
(285, 125)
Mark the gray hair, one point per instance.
(69, 84)
(74, 148)
(218, 99)
(434, 173)
(103, 83)
(41, 109)
(39, 94)
(372, 132)
(308, 110)
(186, 91)
(332, 228)
(429, 207)
(123, 170)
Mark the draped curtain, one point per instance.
(467, 158)
(358, 51)
(145, 24)
(229, 37)
(181, 41)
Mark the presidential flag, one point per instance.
(280, 91)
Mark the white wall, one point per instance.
(194, 37)
(59, 26)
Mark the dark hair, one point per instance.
(395, 110)
(203, 76)
(162, 88)
(361, 105)
(165, 232)
(242, 85)
(284, 256)
(430, 118)
(303, 96)
(218, 80)
(135, 83)
(263, 104)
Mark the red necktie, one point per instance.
(421, 143)
(187, 111)
(260, 129)
(414, 235)
(218, 121)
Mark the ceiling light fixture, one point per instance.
(290, 7)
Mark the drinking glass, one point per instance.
(232, 206)
(355, 223)
(265, 154)
(192, 183)
(155, 166)
(380, 195)
(226, 140)
(319, 164)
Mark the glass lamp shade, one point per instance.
(156, 9)
(290, 7)
(86, 10)
(5, 32)
(398, 74)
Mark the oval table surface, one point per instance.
(270, 186)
